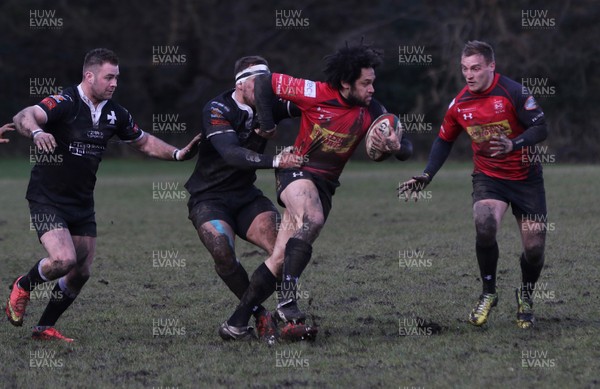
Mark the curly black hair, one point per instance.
(346, 64)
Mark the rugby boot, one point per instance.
(480, 313)
(292, 332)
(288, 311)
(525, 318)
(49, 333)
(16, 304)
(266, 328)
(229, 332)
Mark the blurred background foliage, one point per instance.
(212, 34)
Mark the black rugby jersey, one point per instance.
(221, 115)
(67, 177)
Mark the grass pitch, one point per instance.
(390, 284)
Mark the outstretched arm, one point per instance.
(228, 145)
(440, 150)
(157, 148)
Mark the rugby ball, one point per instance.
(385, 124)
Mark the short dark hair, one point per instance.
(346, 64)
(98, 57)
(246, 62)
(478, 47)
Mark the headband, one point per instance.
(250, 72)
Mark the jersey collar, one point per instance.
(95, 111)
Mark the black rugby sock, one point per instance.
(297, 256)
(262, 285)
(530, 273)
(237, 281)
(487, 258)
(32, 279)
(58, 304)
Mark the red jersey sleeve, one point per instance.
(450, 129)
(303, 93)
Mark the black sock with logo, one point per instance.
(487, 258)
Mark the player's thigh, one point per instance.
(490, 202)
(263, 230)
(256, 219)
(214, 223)
(58, 243)
(303, 203)
(529, 209)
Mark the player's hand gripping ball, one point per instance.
(386, 127)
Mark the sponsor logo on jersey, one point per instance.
(465, 110)
(49, 102)
(216, 113)
(52, 101)
(331, 141)
(531, 104)
(80, 149)
(94, 134)
(468, 116)
(484, 132)
(59, 98)
(310, 89)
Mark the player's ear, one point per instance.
(346, 86)
(492, 66)
(89, 76)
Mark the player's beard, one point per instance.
(354, 100)
(102, 95)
